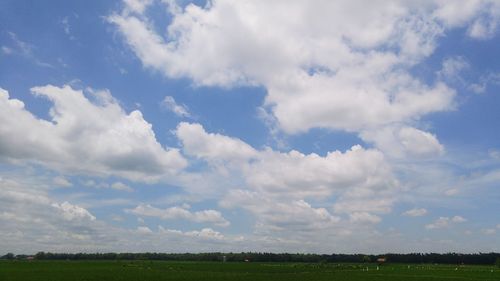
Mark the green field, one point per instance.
(163, 270)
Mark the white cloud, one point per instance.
(280, 215)
(205, 233)
(214, 147)
(73, 212)
(117, 218)
(492, 78)
(61, 182)
(451, 192)
(417, 142)
(444, 222)
(486, 26)
(276, 186)
(137, 6)
(65, 25)
(452, 67)
(20, 46)
(336, 65)
(457, 13)
(483, 29)
(404, 141)
(488, 231)
(357, 173)
(94, 184)
(121, 186)
(364, 217)
(495, 154)
(179, 110)
(173, 213)
(144, 230)
(416, 212)
(377, 204)
(458, 219)
(6, 50)
(97, 138)
(67, 28)
(30, 220)
(23, 49)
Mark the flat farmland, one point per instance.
(165, 270)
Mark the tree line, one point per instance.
(447, 258)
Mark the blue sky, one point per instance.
(291, 126)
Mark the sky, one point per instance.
(265, 126)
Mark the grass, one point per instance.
(163, 270)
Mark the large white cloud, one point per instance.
(339, 65)
(82, 136)
(276, 186)
(356, 172)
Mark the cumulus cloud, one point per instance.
(137, 6)
(416, 212)
(31, 220)
(441, 222)
(364, 217)
(404, 141)
(458, 219)
(73, 212)
(444, 222)
(61, 182)
(121, 186)
(182, 213)
(356, 173)
(179, 110)
(213, 147)
(205, 233)
(277, 184)
(486, 26)
(279, 215)
(144, 230)
(336, 65)
(97, 138)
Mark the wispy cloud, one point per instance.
(24, 49)
(170, 104)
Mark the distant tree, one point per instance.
(367, 259)
(40, 256)
(9, 256)
(498, 262)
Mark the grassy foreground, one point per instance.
(163, 270)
